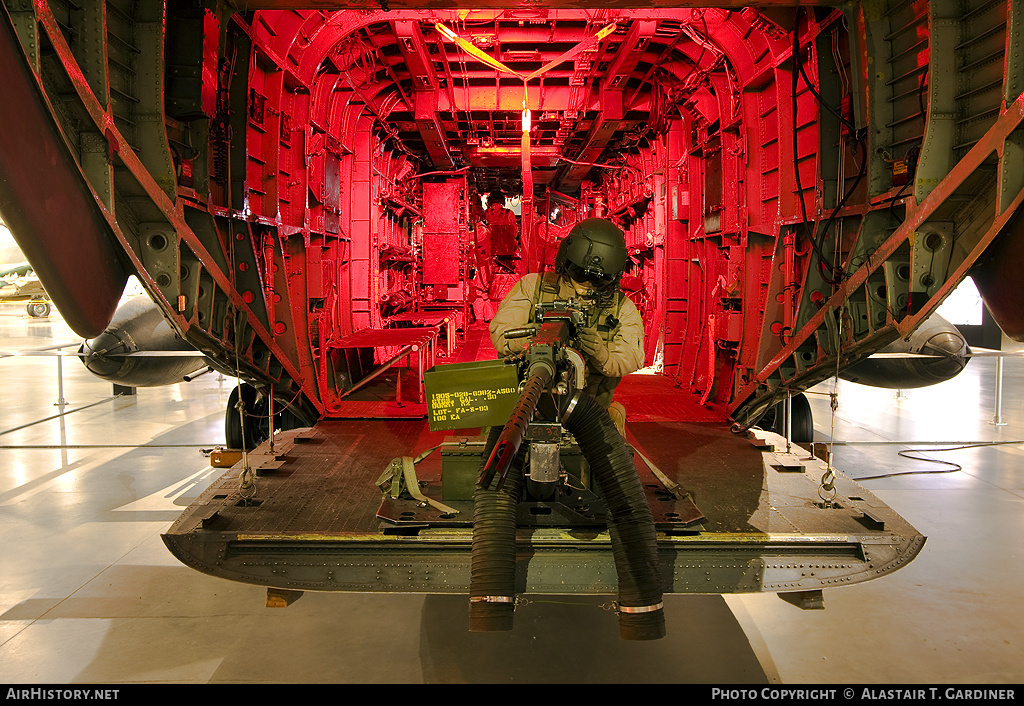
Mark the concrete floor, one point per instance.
(89, 594)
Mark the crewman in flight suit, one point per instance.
(588, 266)
(502, 222)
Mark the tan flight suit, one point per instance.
(625, 340)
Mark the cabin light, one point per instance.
(450, 35)
(526, 119)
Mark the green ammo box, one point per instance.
(481, 393)
(460, 467)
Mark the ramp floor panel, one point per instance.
(322, 480)
(761, 521)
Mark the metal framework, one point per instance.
(259, 170)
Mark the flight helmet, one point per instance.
(594, 252)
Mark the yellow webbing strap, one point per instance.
(670, 485)
(401, 472)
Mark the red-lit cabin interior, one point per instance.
(319, 173)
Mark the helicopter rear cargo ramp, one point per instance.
(746, 516)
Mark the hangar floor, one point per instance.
(89, 594)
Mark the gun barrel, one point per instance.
(522, 332)
(511, 438)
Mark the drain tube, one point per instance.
(630, 522)
(492, 579)
(492, 576)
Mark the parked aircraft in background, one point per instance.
(21, 269)
(18, 283)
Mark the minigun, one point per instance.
(549, 361)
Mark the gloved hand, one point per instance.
(594, 346)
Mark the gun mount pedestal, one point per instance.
(451, 474)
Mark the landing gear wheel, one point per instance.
(255, 424)
(800, 417)
(802, 420)
(38, 310)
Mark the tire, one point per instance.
(801, 419)
(255, 422)
(38, 310)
